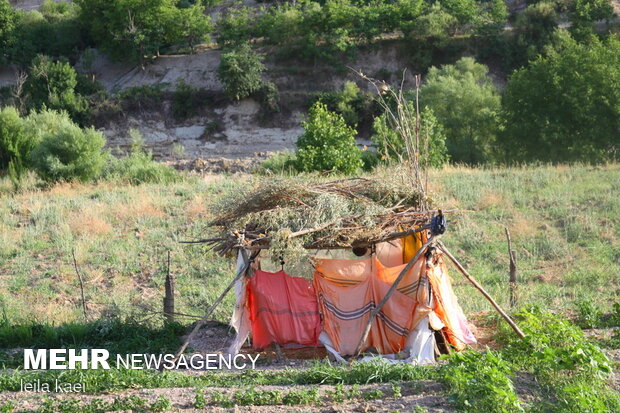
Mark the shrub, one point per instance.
(327, 143)
(240, 70)
(52, 85)
(138, 166)
(350, 102)
(184, 103)
(15, 144)
(69, 153)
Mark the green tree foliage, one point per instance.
(52, 85)
(138, 30)
(8, 23)
(583, 13)
(327, 143)
(15, 144)
(53, 30)
(350, 102)
(68, 153)
(391, 147)
(565, 106)
(240, 70)
(534, 30)
(467, 104)
(430, 34)
(235, 27)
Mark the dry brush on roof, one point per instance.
(290, 215)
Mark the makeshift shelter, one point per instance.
(388, 292)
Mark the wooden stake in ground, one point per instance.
(378, 308)
(471, 279)
(203, 320)
(169, 296)
(512, 255)
(77, 271)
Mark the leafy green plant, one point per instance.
(588, 315)
(327, 143)
(301, 397)
(52, 84)
(392, 148)
(480, 382)
(15, 144)
(240, 71)
(372, 394)
(200, 401)
(138, 166)
(467, 104)
(70, 153)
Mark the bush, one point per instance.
(327, 144)
(15, 144)
(240, 70)
(138, 166)
(69, 153)
(52, 85)
(184, 104)
(350, 102)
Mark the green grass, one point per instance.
(564, 223)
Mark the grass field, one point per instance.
(564, 222)
(565, 226)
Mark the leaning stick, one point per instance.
(376, 310)
(203, 320)
(471, 279)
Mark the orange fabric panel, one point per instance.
(390, 253)
(446, 306)
(283, 309)
(346, 309)
(345, 272)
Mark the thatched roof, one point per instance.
(289, 215)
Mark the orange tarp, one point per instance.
(283, 310)
(348, 290)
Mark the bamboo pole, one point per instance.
(203, 320)
(376, 310)
(471, 279)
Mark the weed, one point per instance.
(162, 404)
(373, 394)
(396, 391)
(301, 397)
(200, 401)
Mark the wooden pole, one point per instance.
(512, 279)
(479, 288)
(376, 310)
(77, 271)
(203, 320)
(169, 297)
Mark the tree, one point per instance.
(327, 143)
(467, 104)
(138, 30)
(15, 145)
(240, 71)
(8, 23)
(583, 13)
(565, 107)
(52, 85)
